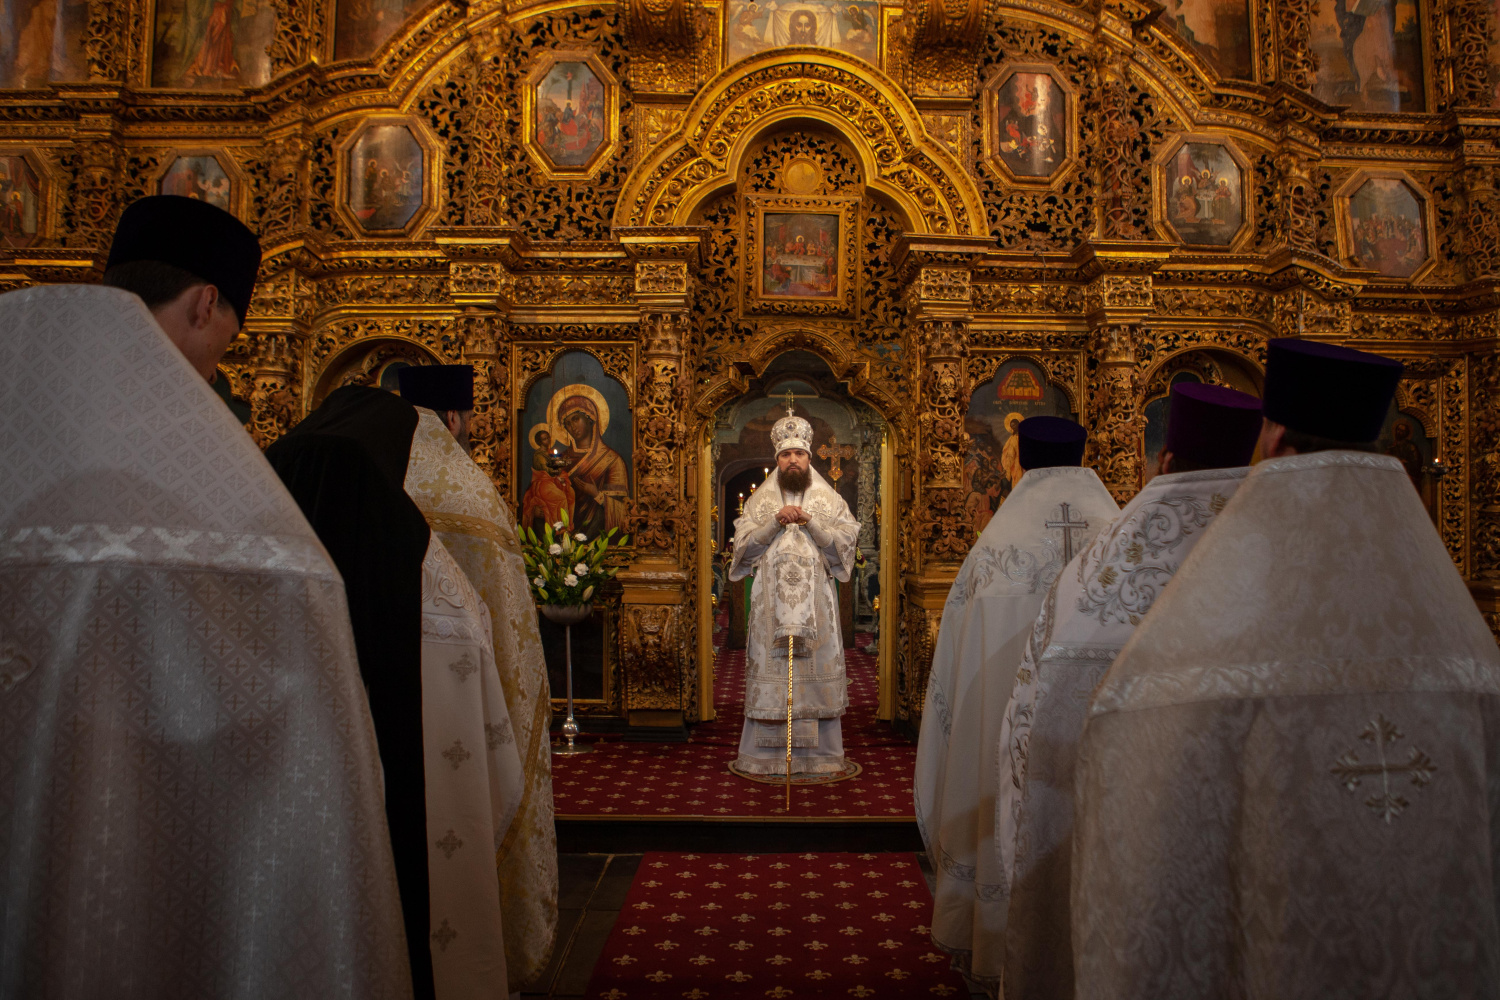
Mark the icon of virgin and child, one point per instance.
(572, 469)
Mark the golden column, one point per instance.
(277, 328)
(934, 534)
(1118, 300)
(658, 632)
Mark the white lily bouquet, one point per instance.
(566, 567)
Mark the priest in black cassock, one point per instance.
(453, 778)
(1288, 779)
(345, 465)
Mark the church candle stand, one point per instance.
(568, 616)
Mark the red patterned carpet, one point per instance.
(710, 926)
(692, 781)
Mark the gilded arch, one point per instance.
(900, 160)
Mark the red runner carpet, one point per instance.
(711, 926)
(622, 780)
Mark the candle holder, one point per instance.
(568, 615)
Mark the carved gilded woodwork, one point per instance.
(513, 262)
(942, 41)
(665, 38)
(899, 160)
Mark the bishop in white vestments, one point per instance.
(797, 537)
(1052, 514)
(1089, 613)
(1287, 783)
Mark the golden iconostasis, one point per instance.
(637, 220)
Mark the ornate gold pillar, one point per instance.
(486, 124)
(481, 290)
(658, 632)
(277, 334)
(1117, 302)
(280, 176)
(934, 533)
(93, 199)
(1116, 197)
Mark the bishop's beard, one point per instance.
(794, 480)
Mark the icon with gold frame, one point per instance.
(800, 253)
(570, 114)
(1030, 119)
(1385, 224)
(389, 174)
(1199, 187)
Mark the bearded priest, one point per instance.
(1054, 511)
(464, 509)
(1089, 613)
(1287, 780)
(796, 536)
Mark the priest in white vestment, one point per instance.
(1089, 613)
(1054, 512)
(1288, 780)
(797, 537)
(464, 509)
(190, 792)
(474, 782)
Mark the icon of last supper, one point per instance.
(801, 255)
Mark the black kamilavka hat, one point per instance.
(201, 239)
(438, 387)
(1212, 426)
(1050, 441)
(1328, 391)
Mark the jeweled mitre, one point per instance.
(791, 432)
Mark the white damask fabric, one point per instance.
(1090, 612)
(190, 794)
(463, 509)
(793, 596)
(473, 780)
(986, 620)
(1288, 782)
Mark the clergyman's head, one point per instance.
(1321, 397)
(1209, 427)
(447, 390)
(193, 265)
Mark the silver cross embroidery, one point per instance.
(1382, 732)
(1068, 527)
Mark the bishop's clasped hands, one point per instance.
(791, 514)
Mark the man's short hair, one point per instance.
(155, 282)
(1306, 444)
